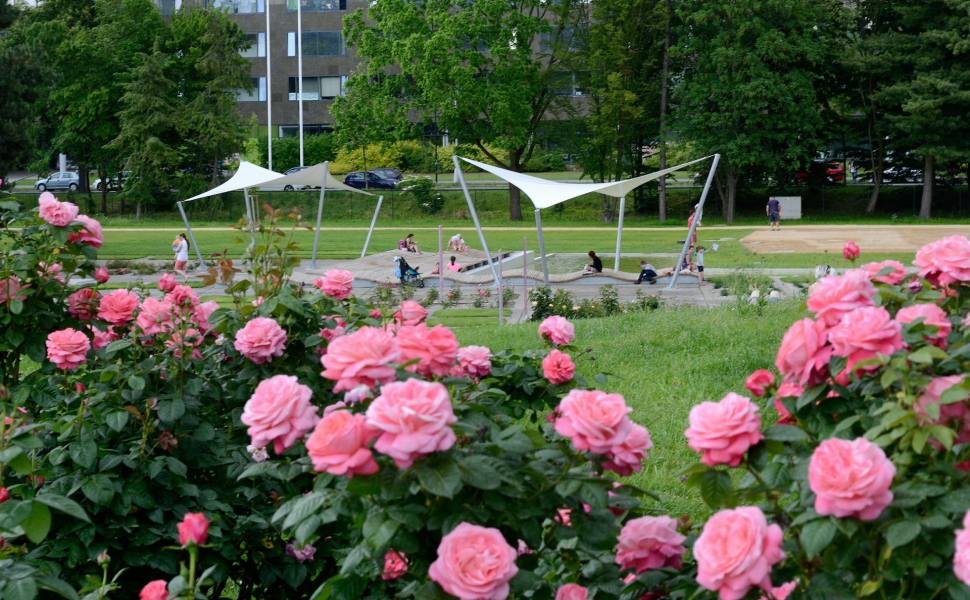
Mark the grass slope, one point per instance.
(664, 363)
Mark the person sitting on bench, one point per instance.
(647, 273)
(412, 246)
(594, 267)
(454, 266)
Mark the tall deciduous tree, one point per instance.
(488, 69)
(752, 89)
(19, 70)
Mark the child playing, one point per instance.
(700, 264)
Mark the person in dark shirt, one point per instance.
(774, 213)
(594, 267)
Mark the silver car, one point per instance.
(59, 181)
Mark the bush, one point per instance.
(424, 192)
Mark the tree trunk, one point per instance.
(609, 208)
(103, 174)
(928, 177)
(720, 190)
(876, 185)
(138, 211)
(515, 203)
(732, 187)
(662, 186)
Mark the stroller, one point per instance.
(406, 273)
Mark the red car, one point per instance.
(833, 172)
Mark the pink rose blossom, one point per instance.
(182, 296)
(955, 415)
(300, 553)
(850, 251)
(932, 316)
(10, 288)
(474, 563)
(572, 591)
(83, 304)
(411, 313)
(155, 316)
(557, 330)
(724, 430)
(961, 554)
(167, 283)
(628, 457)
(650, 543)
(376, 313)
(594, 420)
(89, 234)
(915, 285)
(155, 590)
(558, 367)
(55, 212)
(781, 592)
(68, 348)
(523, 548)
(850, 479)
(894, 277)
(787, 390)
(758, 381)
(337, 331)
(103, 338)
(837, 296)
(336, 284)
(475, 360)
(338, 445)
(201, 314)
(436, 348)
(191, 339)
(194, 529)
(361, 358)
(804, 355)
(946, 261)
(414, 418)
(261, 340)
(357, 395)
(395, 565)
(101, 275)
(258, 302)
(563, 517)
(118, 306)
(863, 334)
(4, 492)
(735, 552)
(279, 411)
(53, 270)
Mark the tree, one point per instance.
(486, 69)
(19, 70)
(752, 88)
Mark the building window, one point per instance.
(239, 7)
(257, 46)
(318, 88)
(168, 7)
(288, 131)
(317, 43)
(572, 37)
(257, 94)
(569, 83)
(316, 5)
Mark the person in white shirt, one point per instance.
(455, 243)
(182, 257)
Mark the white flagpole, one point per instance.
(269, 95)
(299, 69)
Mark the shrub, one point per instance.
(425, 193)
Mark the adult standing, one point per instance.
(690, 222)
(773, 210)
(855, 171)
(181, 256)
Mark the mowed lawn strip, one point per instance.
(664, 363)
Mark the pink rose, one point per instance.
(436, 348)
(155, 316)
(261, 340)
(932, 315)
(563, 517)
(190, 340)
(376, 313)
(101, 275)
(103, 338)
(837, 296)
(68, 348)
(787, 390)
(955, 415)
(339, 330)
(395, 565)
(865, 333)
(474, 563)
(850, 251)
(357, 395)
(804, 355)
(336, 284)
(758, 381)
(628, 457)
(414, 418)
(781, 592)
(558, 367)
(194, 529)
(594, 420)
(735, 552)
(724, 430)
(55, 212)
(961, 555)
(650, 543)
(10, 288)
(182, 296)
(411, 313)
(83, 304)
(894, 277)
(557, 330)
(338, 445)
(475, 360)
(53, 270)
(118, 306)
(279, 411)
(300, 553)
(201, 314)
(945, 261)
(156, 590)
(167, 283)
(850, 479)
(571, 591)
(89, 234)
(361, 358)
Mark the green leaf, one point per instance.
(64, 505)
(136, 383)
(38, 523)
(440, 476)
(715, 488)
(378, 530)
(84, 453)
(117, 420)
(513, 440)
(170, 411)
(7, 456)
(926, 354)
(99, 489)
(53, 584)
(115, 346)
(17, 307)
(353, 559)
(816, 535)
(901, 533)
(477, 471)
(364, 485)
(785, 433)
(21, 463)
(20, 589)
(809, 396)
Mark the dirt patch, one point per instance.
(870, 238)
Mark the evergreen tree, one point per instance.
(19, 70)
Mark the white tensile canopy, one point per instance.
(545, 193)
(312, 176)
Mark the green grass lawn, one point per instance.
(665, 362)
(467, 317)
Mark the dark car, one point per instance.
(373, 181)
(388, 173)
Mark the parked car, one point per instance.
(59, 181)
(833, 172)
(114, 182)
(373, 181)
(388, 173)
(284, 188)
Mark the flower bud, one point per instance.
(103, 558)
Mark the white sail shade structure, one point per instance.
(247, 175)
(312, 176)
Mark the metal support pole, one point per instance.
(501, 296)
(542, 249)
(525, 280)
(251, 213)
(299, 68)
(373, 222)
(693, 226)
(316, 235)
(619, 234)
(188, 228)
(441, 262)
(269, 95)
(471, 209)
